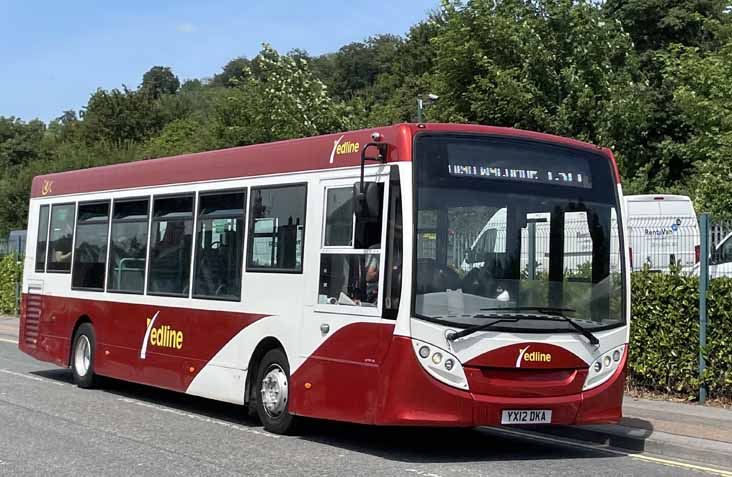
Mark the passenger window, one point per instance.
(339, 217)
(90, 251)
(170, 249)
(349, 269)
(61, 239)
(276, 228)
(219, 246)
(128, 246)
(42, 239)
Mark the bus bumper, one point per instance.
(410, 397)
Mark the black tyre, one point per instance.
(272, 393)
(82, 356)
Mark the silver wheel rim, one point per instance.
(274, 391)
(82, 355)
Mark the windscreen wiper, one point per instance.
(558, 312)
(473, 329)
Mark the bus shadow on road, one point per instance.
(403, 444)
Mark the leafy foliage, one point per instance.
(10, 270)
(664, 342)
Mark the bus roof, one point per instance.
(294, 155)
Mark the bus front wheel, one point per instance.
(82, 356)
(273, 393)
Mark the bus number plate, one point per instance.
(527, 416)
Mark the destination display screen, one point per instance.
(532, 166)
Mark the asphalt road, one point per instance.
(50, 427)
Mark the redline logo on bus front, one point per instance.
(163, 336)
(534, 356)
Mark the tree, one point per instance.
(232, 73)
(20, 142)
(121, 115)
(159, 80)
(702, 93)
(551, 65)
(656, 24)
(281, 100)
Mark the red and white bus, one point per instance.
(323, 277)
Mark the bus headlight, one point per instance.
(603, 367)
(440, 364)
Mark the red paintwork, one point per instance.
(406, 395)
(120, 330)
(279, 157)
(343, 373)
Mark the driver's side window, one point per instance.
(350, 258)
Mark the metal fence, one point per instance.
(12, 247)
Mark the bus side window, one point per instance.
(219, 245)
(61, 238)
(276, 228)
(42, 239)
(128, 246)
(90, 252)
(170, 248)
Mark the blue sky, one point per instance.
(55, 54)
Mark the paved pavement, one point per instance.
(49, 426)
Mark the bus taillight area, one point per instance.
(413, 397)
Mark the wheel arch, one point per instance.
(265, 345)
(79, 321)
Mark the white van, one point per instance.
(720, 261)
(662, 230)
(535, 239)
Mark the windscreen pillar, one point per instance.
(556, 258)
(600, 235)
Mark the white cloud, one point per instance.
(185, 27)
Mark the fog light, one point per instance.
(449, 364)
(424, 351)
(607, 361)
(616, 355)
(437, 358)
(598, 366)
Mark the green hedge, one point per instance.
(10, 269)
(664, 351)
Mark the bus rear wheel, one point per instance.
(273, 393)
(82, 356)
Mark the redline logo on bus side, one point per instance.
(163, 336)
(347, 147)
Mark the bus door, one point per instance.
(344, 335)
